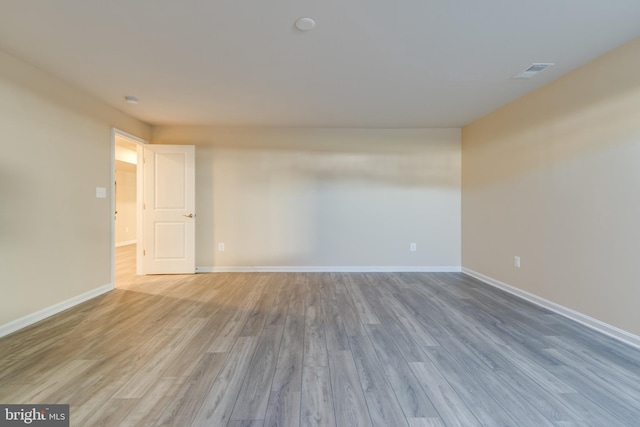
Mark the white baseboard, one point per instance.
(334, 269)
(126, 243)
(32, 318)
(588, 321)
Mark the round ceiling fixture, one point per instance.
(305, 24)
(131, 99)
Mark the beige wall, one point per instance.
(55, 238)
(324, 197)
(125, 202)
(554, 177)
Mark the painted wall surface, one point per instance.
(554, 177)
(55, 235)
(324, 197)
(125, 202)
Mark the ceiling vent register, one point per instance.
(534, 69)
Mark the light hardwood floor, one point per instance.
(319, 349)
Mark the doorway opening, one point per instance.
(126, 233)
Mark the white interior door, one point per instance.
(169, 209)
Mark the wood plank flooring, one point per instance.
(318, 349)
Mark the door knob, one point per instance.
(189, 216)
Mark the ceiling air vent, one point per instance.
(534, 69)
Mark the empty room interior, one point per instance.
(320, 214)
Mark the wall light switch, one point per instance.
(412, 247)
(101, 193)
(516, 261)
(221, 247)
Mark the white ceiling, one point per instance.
(368, 63)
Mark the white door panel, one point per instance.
(169, 209)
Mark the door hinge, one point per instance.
(144, 206)
(144, 253)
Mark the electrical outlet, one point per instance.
(516, 261)
(221, 247)
(412, 247)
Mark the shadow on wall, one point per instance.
(398, 169)
(12, 190)
(570, 117)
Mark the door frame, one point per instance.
(140, 142)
